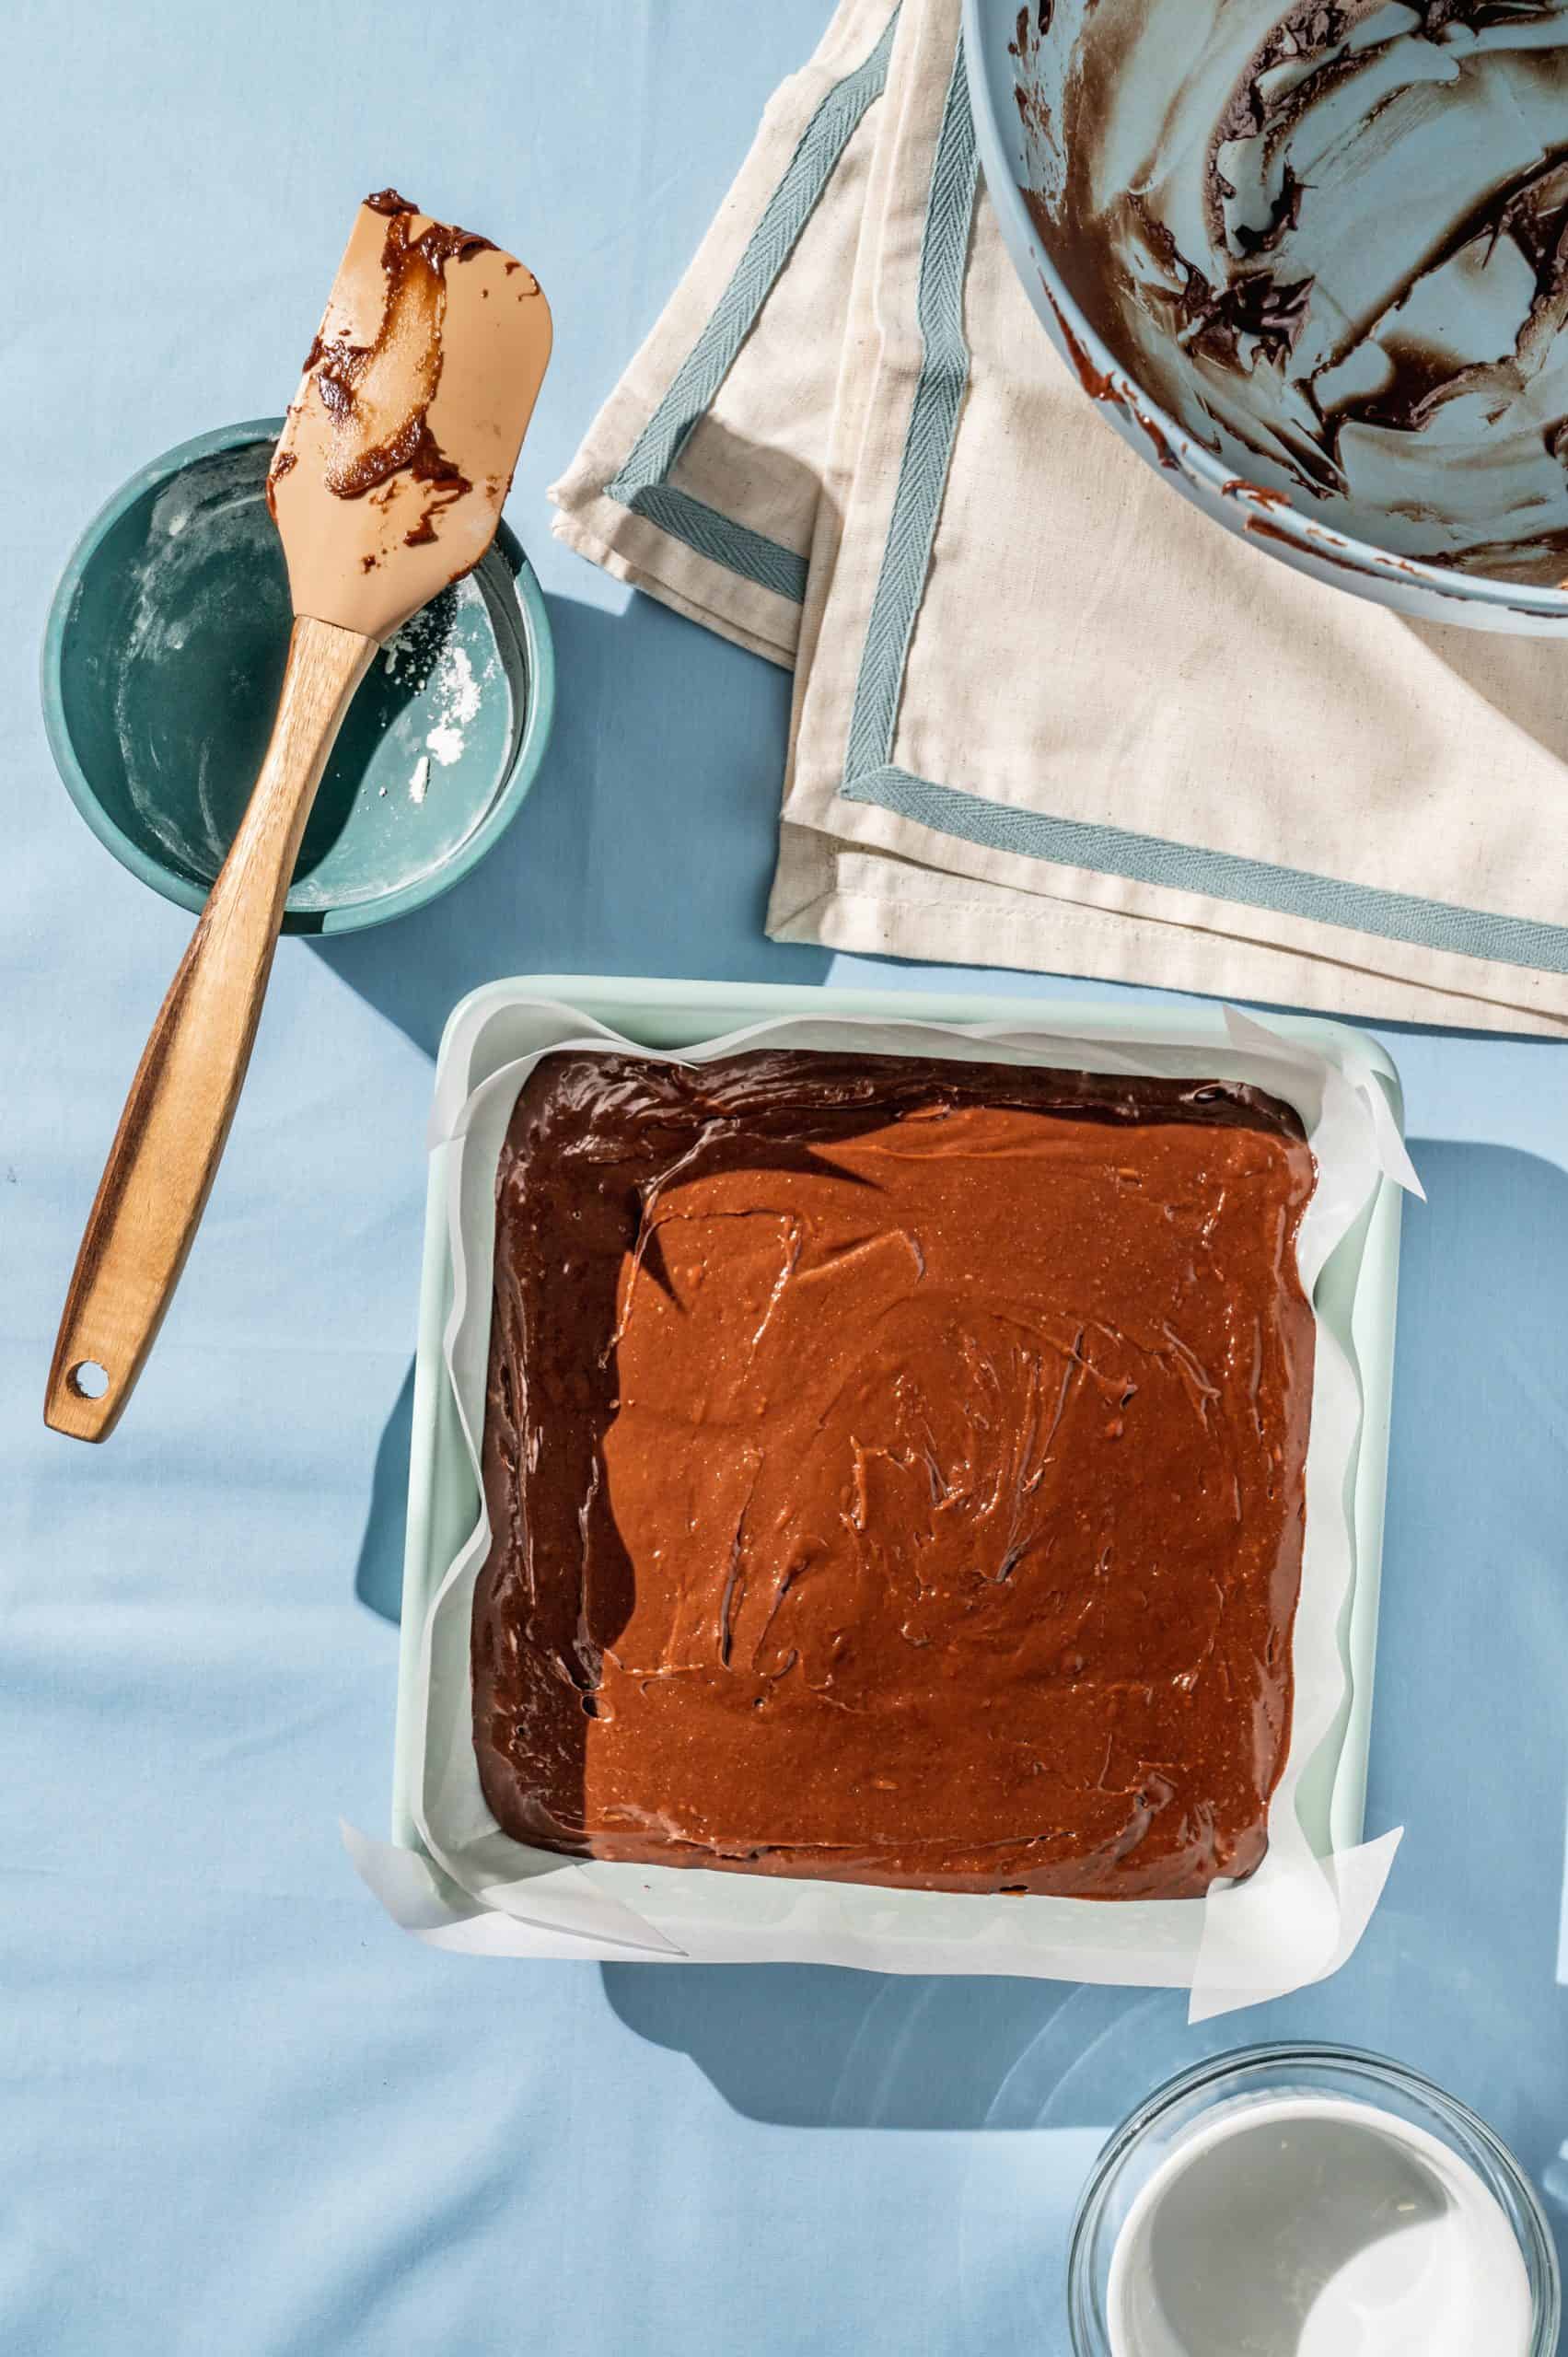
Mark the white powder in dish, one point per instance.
(426, 660)
(457, 702)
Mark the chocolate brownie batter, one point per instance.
(895, 1470)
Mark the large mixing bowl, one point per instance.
(1312, 260)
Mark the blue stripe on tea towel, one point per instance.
(711, 358)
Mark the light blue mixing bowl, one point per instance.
(1312, 262)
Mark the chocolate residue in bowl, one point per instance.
(1337, 256)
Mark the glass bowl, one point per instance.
(1176, 2111)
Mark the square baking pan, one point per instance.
(1362, 1277)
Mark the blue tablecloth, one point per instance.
(242, 2112)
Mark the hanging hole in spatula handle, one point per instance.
(85, 1386)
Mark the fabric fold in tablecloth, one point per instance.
(1046, 714)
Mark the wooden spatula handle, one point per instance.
(176, 1116)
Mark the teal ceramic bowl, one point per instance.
(161, 667)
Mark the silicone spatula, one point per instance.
(385, 485)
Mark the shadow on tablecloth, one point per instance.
(378, 1575)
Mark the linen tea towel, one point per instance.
(1046, 714)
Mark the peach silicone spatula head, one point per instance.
(397, 450)
(387, 485)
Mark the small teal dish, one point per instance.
(162, 661)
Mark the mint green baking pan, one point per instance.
(1360, 1284)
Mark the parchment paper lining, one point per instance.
(1294, 1922)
